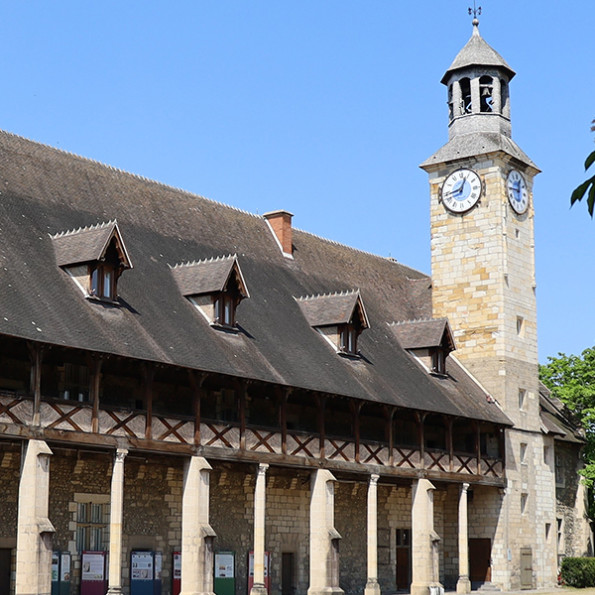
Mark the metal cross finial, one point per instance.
(475, 11)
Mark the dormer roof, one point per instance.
(209, 276)
(424, 334)
(334, 309)
(477, 52)
(89, 244)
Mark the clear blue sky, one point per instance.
(321, 107)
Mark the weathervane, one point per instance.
(475, 11)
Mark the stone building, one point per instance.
(177, 375)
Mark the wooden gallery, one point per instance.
(213, 400)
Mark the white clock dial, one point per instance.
(461, 190)
(518, 195)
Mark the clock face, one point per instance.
(461, 190)
(516, 188)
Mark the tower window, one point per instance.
(465, 107)
(450, 103)
(486, 94)
(522, 399)
(520, 326)
(524, 498)
(523, 452)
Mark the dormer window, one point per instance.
(339, 317)
(429, 341)
(215, 287)
(94, 257)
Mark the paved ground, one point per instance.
(555, 591)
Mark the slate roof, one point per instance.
(419, 334)
(333, 309)
(478, 143)
(477, 52)
(208, 276)
(44, 191)
(554, 418)
(87, 244)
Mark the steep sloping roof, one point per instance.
(555, 419)
(208, 276)
(46, 191)
(477, 52)
(418, 334)
(478, 143)
(332, 309)
(88, 244)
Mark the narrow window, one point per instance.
(546, 455)
(523, 453)
(560, 535)
(486, 94)
(438, 361)
(524, 503)
(548, 526)
(348, 339)
(522, 399)
(465, 107)
(450, 103)
(520, 326)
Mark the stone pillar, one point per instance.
(115, 525)
(324, 538)
(475, 103)
(34, 529)
(425, 541)
(372, 586)
(258, 587)
(497, 95)
(463, 584)
(197, 534)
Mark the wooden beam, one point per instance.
(94, 364)
(36, 356)
(196, 382)
(148, 374)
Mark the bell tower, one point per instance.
(483, 281)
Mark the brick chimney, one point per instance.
(280, 224)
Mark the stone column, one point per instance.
(34, 529)
(197, 534)
(258, 587)
(475, 103)
(463, 584)
(424, 538)
(372, 586)
(115, 525)
(324, 538)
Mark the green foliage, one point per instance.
(587, 188)
(578, 572)
(571, 378)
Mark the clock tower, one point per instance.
(483, 281)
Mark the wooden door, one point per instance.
(403, 559)
(5, 559)
(526, 568)
(287, 574)
(480, 560)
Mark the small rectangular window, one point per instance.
(524, 498)
(523, 453)
(522, 399)
(520, 326)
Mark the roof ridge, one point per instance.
(416, 320)
(359, 250)
(202, 261)
(70, 232)
(127, 173)
(329, 294)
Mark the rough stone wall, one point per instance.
(152, 511)
(575, 537)
(394, 512)
(10, 465)
(288, 525)
(351, 504)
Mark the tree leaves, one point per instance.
(571, 378)
(587, 187)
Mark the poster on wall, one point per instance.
(55, 566)
(65, 568)
(177, 565)
(224, 565)
(142, 566)
(93, 566)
